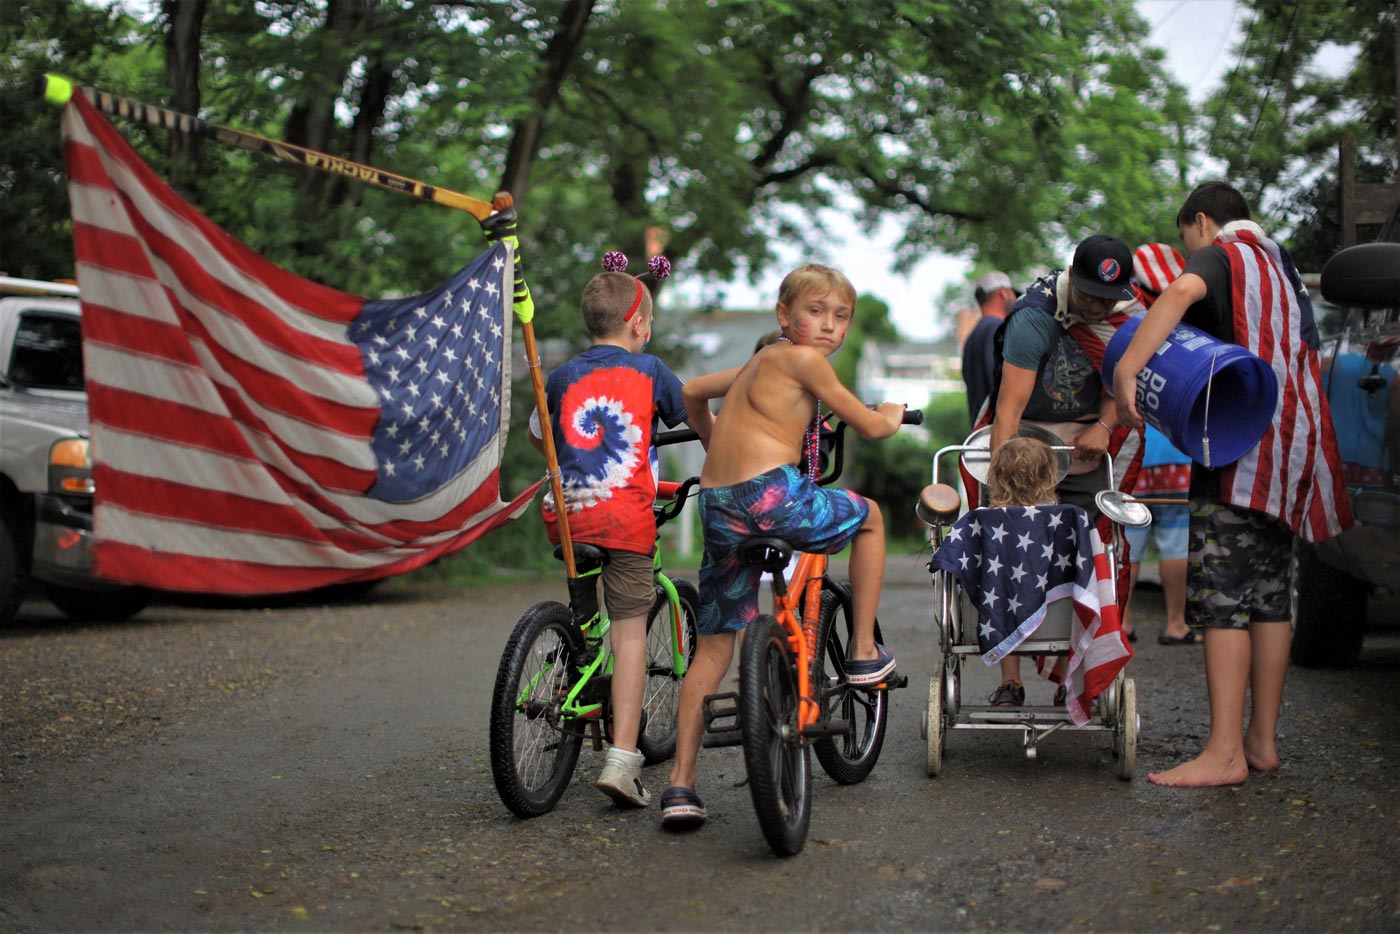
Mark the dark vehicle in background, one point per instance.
(1334, 581)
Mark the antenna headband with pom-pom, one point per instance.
(658, 266)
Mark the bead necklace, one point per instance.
(811, 441)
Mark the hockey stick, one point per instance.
(58, 90)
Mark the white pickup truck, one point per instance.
(46, 481)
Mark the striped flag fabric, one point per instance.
(1295, 472)
(1013, 562)
(254, 432)
(1155, 266)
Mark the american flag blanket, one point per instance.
(1014, 562)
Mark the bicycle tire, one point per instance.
(534, 752)
(780, 775)
(847, 759)
(661, 700)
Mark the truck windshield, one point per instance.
(48, 352)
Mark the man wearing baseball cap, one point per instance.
(1051, 348)
(995, 295)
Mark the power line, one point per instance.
(1281, 49)
(1230, 80)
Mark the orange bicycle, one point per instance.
(793, 694)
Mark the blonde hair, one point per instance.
(816, 277)
(606, 298)
(1022, 473)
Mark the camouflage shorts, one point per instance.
(1238, 569)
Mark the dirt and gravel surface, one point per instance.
(313, 767)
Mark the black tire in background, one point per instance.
(662, 693)
(96, 606)
(13, 584)
(780, 775)
(1329, 612)
(532, 756)
(847, 759)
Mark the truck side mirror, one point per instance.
(1363, 276)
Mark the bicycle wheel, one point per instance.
(657, 739)
(533, 749)
(847, 759)
(780, 778)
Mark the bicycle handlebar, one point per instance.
(678, 493)
(675, 436)
(837, 434)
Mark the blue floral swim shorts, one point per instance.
(782, 503)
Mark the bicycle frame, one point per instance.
(798, 606)
(592, 620)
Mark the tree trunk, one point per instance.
(558, 58)
(312, 121)
(184, 24)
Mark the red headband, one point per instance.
(636, 302)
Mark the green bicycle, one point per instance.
(555, 678)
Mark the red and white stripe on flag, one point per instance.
(1295, 472)
(1098, 648)
(245, 439)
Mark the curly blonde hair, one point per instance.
(1022, 473)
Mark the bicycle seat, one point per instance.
(766, 552)
(586, 557)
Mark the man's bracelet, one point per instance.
(1105, 426)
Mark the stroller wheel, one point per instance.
(933, 725)
(1125, 735)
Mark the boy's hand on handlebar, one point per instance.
(893, 413)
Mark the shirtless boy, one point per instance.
(751, 486)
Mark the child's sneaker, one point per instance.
(1010, 694)
(621, 778)
(870, 670)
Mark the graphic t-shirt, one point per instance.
(604, 406)
(1067, 386)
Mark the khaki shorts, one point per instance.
(629, 584)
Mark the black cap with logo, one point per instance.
(1103, 268)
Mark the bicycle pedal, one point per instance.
(838, 728)
(722, 727)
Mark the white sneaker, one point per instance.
(621, 778)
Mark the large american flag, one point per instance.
(256, 432)
(1013, 562)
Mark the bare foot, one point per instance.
(1260, 756)
(1204, 771)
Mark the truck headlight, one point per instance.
(70, 468)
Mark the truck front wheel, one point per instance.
(90, 606)
(14, 582)
(1329, 612)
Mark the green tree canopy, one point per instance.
(998, 128)
(1277, 118)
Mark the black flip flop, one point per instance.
(1191, 638)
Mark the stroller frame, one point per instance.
(1115, 709)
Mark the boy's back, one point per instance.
(765, 416)
(604, 404)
